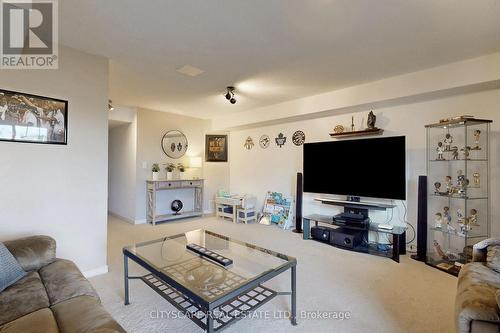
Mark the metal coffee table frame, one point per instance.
(166, 287)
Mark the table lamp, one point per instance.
(195, 162)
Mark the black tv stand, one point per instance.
(398, 236)
(358, 207)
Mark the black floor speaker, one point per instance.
(421, 220)
(298, 204)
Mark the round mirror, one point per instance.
(174, 144)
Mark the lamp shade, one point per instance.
(195, 162)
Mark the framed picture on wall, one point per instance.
(33, 119)
(216, 148)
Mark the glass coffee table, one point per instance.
(212, 279)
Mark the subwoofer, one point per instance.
(346, 238)
(322, 234)
(298, 204)
(421, 220)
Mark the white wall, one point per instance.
(61, 191)
(151, 126)
(461, 77)
(122, 173)
(216, 175)
(256, 171)
(138, 141)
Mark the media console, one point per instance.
(351, 236)
(349, 230)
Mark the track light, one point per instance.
(230, 95)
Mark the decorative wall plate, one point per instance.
(249, 143)
(339, 129)
(280, 140)
(264, 141)
(298, 138)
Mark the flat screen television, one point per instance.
(374, 168)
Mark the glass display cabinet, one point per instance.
(458, 190)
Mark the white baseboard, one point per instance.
(95, 272)
(209, 212)
(126, 219)
(118, 216)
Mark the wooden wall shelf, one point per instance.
(375, 131)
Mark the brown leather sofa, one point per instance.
(54, 297)
(478, 291)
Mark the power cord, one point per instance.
(409, 224)
(404, 220)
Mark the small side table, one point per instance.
(226, 207)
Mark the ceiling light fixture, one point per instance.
(230, 95)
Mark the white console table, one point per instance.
(153, 186)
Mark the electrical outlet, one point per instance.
(144, 165)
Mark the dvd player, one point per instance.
(351, 216)
(352, 220)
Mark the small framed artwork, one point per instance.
(33, 119)
(216, 148)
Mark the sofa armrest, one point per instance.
(480, 250)
(33, 252)
(476, 296)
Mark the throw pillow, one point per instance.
(493, 258)
(10, 270)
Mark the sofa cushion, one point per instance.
(84, 314)
(10, 270)
(493, 258)
(476, 296)
(41, 321)
(63, 281)
(25, 296)
(33, 252)
(484, 327)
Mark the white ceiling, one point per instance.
(272, 50)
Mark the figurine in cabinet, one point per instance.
(447, 220)
(463, 222)
(466, 152)
(454, 153)
(450, 228)
(460, 216)
(438, 221)
(477, 138)
(437, 188)
(462, 183)
(439, 251)
(450, 189)
(440, 151)
(446, 214)
(448, 140)
(473, 218)
(477, 179)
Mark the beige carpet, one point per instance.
(381, 295)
